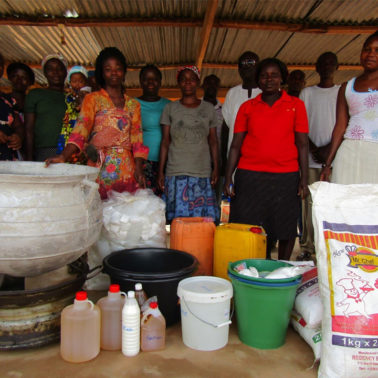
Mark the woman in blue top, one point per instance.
(152, 106)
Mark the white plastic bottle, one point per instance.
(80, 330)
(111, 318)
(131, 326)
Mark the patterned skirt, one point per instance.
(187, 196)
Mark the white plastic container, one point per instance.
(111, 318)
(131, 326)
(205, 312)
(80, 330)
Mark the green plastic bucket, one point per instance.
(263, 308)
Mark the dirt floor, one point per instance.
(294, 359)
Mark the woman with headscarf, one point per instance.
(110, 124)
(188, 147)
(44, 110)
(77, 79)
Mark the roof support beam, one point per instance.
(225, 66)
(189, 23)
(206, 30)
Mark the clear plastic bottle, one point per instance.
(111, 318)
(80, 330)
(152, 329)
(131, 326)
(140, 294)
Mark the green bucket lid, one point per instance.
(261, 265)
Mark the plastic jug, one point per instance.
(195, 236)
(131, 326)
(140, 294)
(234, 241)
(80, 330)
(111, 318)
(152, 329)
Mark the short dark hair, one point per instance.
(272, 61)
(150, 67)
(212, 76)
(299, 72)
(371, 36)
(21, 66)
(106, 53)
(325, 54)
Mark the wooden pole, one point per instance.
(206, 30)
(189, 23)
(224, 66)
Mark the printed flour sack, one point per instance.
(345, 219)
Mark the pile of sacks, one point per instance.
(129, 221)
(306, 318)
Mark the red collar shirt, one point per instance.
(269, 144)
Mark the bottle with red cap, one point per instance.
(152, 329)
(80, 330)
(111, 318)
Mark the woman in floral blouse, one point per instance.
(110, 123)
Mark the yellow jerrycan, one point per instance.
(234, 241)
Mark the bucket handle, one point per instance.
(228, 322)
(93, 188)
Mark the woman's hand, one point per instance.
(303, 190)
(139, 177)
(325, 174)
(214, 177)
(160, 181)
(228, 188)
(55, 160)
(139, 172)
(14, 142)
(3, 137)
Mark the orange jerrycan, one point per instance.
(195, 236)
(234, 241)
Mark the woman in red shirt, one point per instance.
(270, 151)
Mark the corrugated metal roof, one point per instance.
(175, 45)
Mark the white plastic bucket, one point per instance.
(205, 312)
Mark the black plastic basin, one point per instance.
(159, 270)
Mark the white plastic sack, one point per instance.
(129, 221)
(307, 301)
(312, 336)
(134, 220)
(345, 219)
(287, 272)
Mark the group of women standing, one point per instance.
(148, 142)
(172, 147)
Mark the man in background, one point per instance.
(320, 101)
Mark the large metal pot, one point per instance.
(31, 318)
(49, 216)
